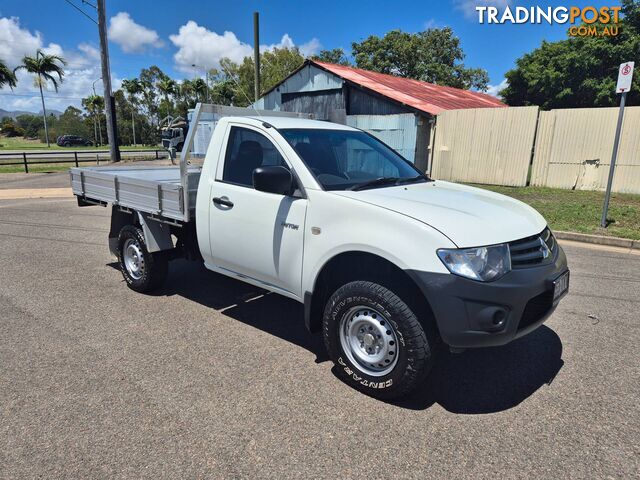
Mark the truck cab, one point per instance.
(389, 264)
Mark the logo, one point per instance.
(593, 22)
(292, 226)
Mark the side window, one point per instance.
(246, 151)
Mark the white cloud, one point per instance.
(468, 7)
(200, 46)
(131, 36)
(82, 69)
(431, 23)
(494, 90)
(16, 42)
(311, 47)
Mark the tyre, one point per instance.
(143, 271)
(375, 340)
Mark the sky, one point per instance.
(176, 35)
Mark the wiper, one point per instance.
(417, 178)
(373, 183)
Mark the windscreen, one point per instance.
(344, 159)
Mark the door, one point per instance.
(256, 234)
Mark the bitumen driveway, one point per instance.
(211, 378)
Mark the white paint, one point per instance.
(405, 225)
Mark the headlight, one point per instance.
(479, 263)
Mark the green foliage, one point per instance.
(9, 128)
(275, 66)
(335, 55)
(579, 71)
(7, 77)
(30, 124)
(434, 55)
(45, 67)
(73, 122)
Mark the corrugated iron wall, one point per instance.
(484, 145)
(398, 131)
(573, 149)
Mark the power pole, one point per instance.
(256, 54)
(109, 100)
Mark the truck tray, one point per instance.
(154, 190)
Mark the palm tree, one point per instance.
(7, 77)
(44, 67)
(133, 88)
(167, 87)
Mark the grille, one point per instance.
(532, 251)
(535, 309)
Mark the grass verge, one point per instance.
(20, 143)
(579, 210)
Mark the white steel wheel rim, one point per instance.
(133, 258)
(369, 341)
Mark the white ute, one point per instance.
(387, 262)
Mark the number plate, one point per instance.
(560, 286)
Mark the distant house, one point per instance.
(397, 110)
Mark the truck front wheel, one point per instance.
(143, 271)
(375, 340)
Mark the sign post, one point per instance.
(625, 74)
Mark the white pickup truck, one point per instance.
(387, 262)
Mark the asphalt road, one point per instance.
(212, 378)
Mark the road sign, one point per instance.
(625, 74)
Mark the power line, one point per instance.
(37, 95)
(81, 11)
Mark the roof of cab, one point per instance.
(291, 122)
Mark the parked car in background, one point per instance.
(71, 140)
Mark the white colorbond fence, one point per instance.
(568, 148)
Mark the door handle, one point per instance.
(223, 201)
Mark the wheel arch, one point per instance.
(354, 265)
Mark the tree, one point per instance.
(72, 122)
(335, 55)
(7, 77)
(30, 124)
(275, 66)
(579, 71)
(434, 55)
(44, 67)
(133, 88)
(94, 104)
(167, 87)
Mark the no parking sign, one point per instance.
(625, 74)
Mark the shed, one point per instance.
(397, 110)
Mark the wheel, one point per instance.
(375, 340)
(66, 144)
(143, 271)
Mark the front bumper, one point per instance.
(478, 314)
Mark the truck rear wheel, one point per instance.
(375, 340)
(143, 271)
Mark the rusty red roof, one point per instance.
(427, 97)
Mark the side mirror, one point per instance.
(273, 179)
